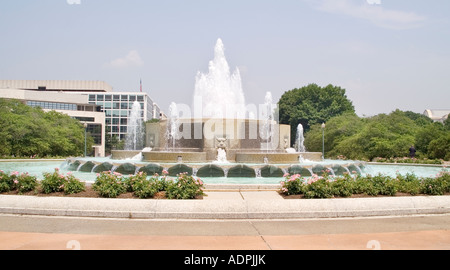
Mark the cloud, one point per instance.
(132, 59)
(375, 13)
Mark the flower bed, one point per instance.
(107, 185)
(407, 160)
(355, 185)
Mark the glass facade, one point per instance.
(117, 108)
(53, 105)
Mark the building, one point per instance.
(74, 105)
(93, 102)
(437, 115)
(117, 108)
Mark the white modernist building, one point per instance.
(437, 115)
(91, 102)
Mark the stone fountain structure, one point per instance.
(222, 137)
(221, 124)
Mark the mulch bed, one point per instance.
(355, 196)
(88, 193)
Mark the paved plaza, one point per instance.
(240, 220)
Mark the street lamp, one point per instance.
(85, 138)
(323, 141)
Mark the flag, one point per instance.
(141, 85)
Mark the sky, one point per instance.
(387, 54)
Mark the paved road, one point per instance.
(38, 232)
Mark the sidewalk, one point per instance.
(225, 205)
(239, 220)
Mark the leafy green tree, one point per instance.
(27, 131)
(312, 105)
(337, 129)
(439, 148)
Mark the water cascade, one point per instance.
(220, 91)
(268, 115)
(172, 133)
(134, 138)
(300, 139)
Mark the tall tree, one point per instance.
(27, 131)
(313, 104)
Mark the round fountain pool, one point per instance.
(222, 173)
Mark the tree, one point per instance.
(27, 131)
(337, 129)
(383, 135)
(312, 105)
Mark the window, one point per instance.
(53, 105)
(108, 98)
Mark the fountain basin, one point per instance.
(276, 158)
(124, 154)
(167, 157)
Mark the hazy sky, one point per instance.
(387, 54)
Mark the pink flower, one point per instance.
(286, 175)
(165, 172)
(16, 182)
(15, 173)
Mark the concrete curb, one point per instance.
(223, 209)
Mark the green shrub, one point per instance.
(26, 182)
(141, 186)
(343, 186)
(409, 183)
(73, 185)
(383, 185)
(318, 188)
(53, 182)
(6, 182)
(433, 186)
(184, 187)
(145, 188)
(17, 181)
(109, 185)
(293, 185)
(57, 182)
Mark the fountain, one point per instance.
(134, 138)
(221, 131)
(219, 91)
(300, 139)
(172, 134)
